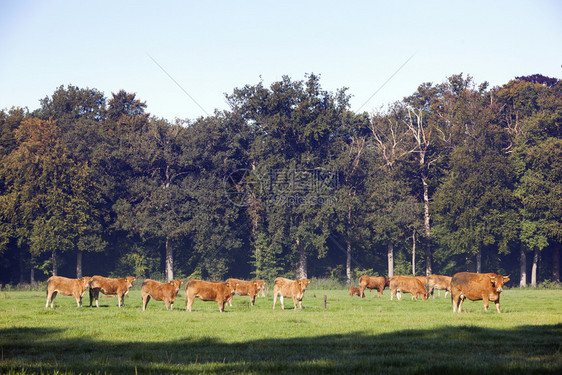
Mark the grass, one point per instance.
(351, 336)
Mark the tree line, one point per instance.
(288, 182)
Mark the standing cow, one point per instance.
(477, 286)
(208, 291)
(439, 282)
(166, 292)
(373, 282)
(66, 287)
(291, 289)
(407, 284)
(244, 288)
(111, 287)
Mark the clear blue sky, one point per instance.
(212, 47)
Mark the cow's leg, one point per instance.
(91, 296)
(274, 300)
(48, 299)
(282, 302)
(189, 302)
(171, 305)
(485, 300)
(167, 303)
(145, 300)
(121, 299)
(221, 306)
(253, 300)
(399, 294)
(362, 294)
(79, 300)
(497, 303)
(461, 300)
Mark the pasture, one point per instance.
(351, 335)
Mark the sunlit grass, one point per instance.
(368, 335)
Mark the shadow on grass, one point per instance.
(451, 350)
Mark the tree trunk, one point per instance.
(427, 225)
(79, 264)
(390, 253)
(414, 253)
(32, 275)
(302, 261)
(169, 260)
(55, 265)
(22, 267)
(534, 269)
(523, 268)
(556, 264)
(479, 260)
(348, 262)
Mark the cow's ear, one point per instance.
(506, 278)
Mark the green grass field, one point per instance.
(351, 336)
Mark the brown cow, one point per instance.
(477, 286)
(261, 286)
(439, 282)
(108, 286)
(208, 291)
(373, 282)
(66, 287)
(244, 288)
(291, 289)
(166, 292)
(353, 290)
(407, 284)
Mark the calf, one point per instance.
(477, 286)
(373, 282)
(66, 287)
(407, 284)
(108, 286)
(291, 289)
(166, 292)
(353, 290)
(440, 283)
(245, 288)
(208, 291)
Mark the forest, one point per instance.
(458, 176)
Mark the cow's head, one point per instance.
(498, 281)
(86, 281)
(176, 283)
(303, 283)
(130, 280)
(425, 296)
(232, 286)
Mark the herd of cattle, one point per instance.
(474, 286)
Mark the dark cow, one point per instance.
(244, 288)
(477, 286)
(354, 291)
(66, 287)
(166, 292)
(208, 291)
(373, 282)
(291, 289)
(439, 282)
(111, 287)
(407, 284)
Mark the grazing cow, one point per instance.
(208, 291)
(244, 288)
(166, 292)
(118, 287)
(353, 290)
(261, 286)
(477, 286)
(373, 282)
(440, 283)
(407, 284)
(291, 289)
(66, 287)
